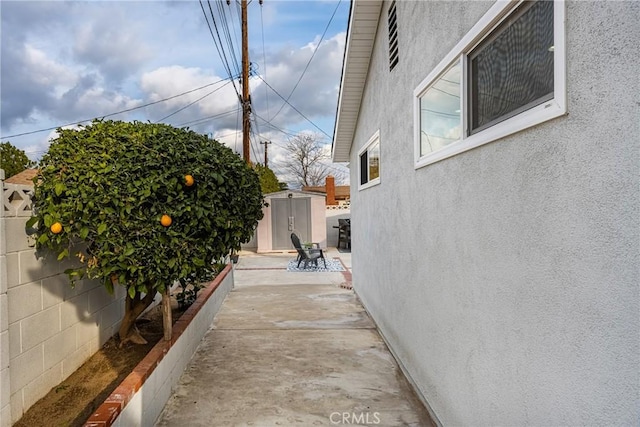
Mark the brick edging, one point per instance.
(346, 274)
(108, 412)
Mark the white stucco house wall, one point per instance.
(494, 150)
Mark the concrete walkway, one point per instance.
(292, 348)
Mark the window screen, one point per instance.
(512, 70)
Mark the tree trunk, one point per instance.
(133, 308)
(167, 323)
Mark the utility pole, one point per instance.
(266, 158)
(246, 103)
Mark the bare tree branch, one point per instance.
(307, 160)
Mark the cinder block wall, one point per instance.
(48, 329)
(5, 408)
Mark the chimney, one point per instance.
(330, 187)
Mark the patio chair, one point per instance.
(307, 255)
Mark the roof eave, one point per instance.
(363, 22)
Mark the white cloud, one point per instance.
(47, 71)
(317, 93)
(67, 61)
(166, 82)
(117, 51)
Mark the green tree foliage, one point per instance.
(110, 183)
(268, 180)
(13, 160)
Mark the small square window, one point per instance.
(370, 162)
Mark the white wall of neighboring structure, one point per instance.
(47, 328)
(264, 231)
(334, 213)
(505, 278)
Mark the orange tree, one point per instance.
(143, 205)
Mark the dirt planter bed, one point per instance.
(140, 398)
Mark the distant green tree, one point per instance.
(283, 186)
(13, 160)
(268, 180)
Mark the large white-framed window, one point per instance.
(369, 162)
(505, 75)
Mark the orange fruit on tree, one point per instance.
(188, 180)
(166, 220)
(56, 228)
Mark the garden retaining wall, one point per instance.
(48, 329)
(141, 397)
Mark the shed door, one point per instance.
(287, 216)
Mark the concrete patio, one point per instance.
(292, 348)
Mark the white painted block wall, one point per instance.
(5, 377)
(47, 328)
(146, 406)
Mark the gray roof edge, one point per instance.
(285, 193)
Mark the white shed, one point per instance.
(291, 211)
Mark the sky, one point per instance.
(64, 62)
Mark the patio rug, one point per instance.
(332, 265)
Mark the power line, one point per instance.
(253, 149)
(202, 120)
(191, 103)
(289, 134)
(457, 116)
(298, 111)
(238, 12)
(218, 41)
(309, 62)
(237, 126)
(227, 34)
(264, 63)
(256, 134)
(218, 48)
(114, 114)
(274, 126)
(345, 170)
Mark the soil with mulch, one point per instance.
(73, 401)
